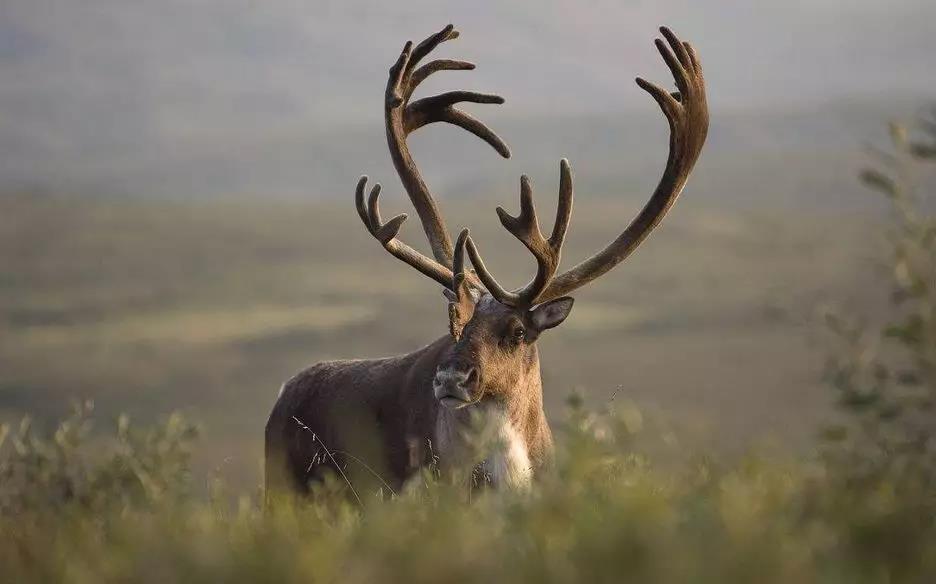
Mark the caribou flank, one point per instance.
(383, 419)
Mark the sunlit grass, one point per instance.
(127, 509)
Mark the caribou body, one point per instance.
(381, 420)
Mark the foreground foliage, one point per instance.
(77, 512)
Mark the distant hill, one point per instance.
(804, 156)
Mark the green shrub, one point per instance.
(604, 514)
(66, 471)
(886, 377)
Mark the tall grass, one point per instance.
(76, 512)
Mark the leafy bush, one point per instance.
(886, 378)
(65, 471)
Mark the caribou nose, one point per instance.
(456, 388)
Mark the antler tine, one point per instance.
(403, 118)
(462, 303)
(525, 227)
(431, 109)
(564, 210)
(458, 260)
(385, 233)
(420, 75)
(496, 290)
(432, 41)
(687, 114)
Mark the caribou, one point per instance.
(396, 415)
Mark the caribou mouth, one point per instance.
(454, 403)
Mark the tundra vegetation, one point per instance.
(78, 505)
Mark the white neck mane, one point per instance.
(507, 462)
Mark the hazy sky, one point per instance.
(96, 89)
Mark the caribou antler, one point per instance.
(525, 227)
(403, 118)
(687, 114)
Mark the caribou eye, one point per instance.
(518, 333)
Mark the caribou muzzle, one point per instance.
(457, 387)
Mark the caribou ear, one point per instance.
(552, 313)
(449, 295)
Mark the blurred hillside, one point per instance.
(756, 158)
(148, 306)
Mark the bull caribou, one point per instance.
(396, 415)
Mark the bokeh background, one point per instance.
(177, 228)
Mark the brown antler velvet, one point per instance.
(686, 111)
(687, 114)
